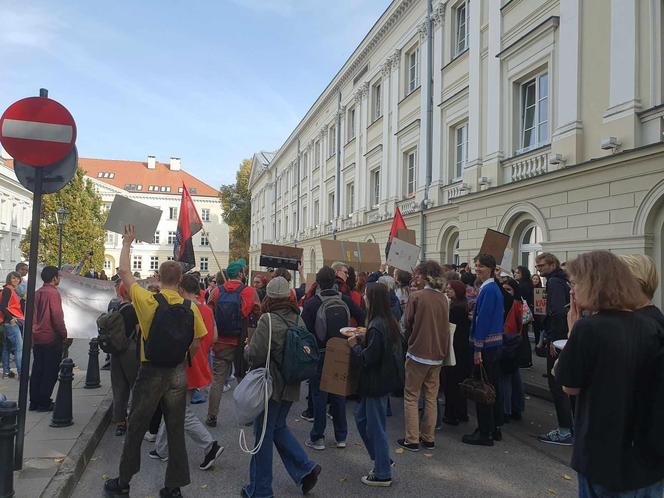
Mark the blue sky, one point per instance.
(208, 81)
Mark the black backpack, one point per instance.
(171, 333)
(227, 312)
(332, 315)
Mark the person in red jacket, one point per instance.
(231, 304)
(49, 335)
(11, 315)
(198, 375)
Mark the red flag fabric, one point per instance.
(189, 224)
(397, 224)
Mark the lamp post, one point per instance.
(61, 217)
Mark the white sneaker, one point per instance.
(341, 444)
(227, 387)
(319, 444)
(150, 438)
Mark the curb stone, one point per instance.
(64, 481)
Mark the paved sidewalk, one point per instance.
(53, 455)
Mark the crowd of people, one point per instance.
(418, 336)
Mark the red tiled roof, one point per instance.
(134, 173)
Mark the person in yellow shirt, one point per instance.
(156, 384)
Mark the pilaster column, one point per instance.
(425, 93)
(391, 176)
(438, 176)
(388, 110)
(471, 172)
(494, 143)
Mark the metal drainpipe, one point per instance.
(297, 206)
(337, 197)
(429, 127)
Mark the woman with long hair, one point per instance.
(12, 315)
(456, 409)
(279, 313)
(379, 352)
(610, 364)
(511, 385)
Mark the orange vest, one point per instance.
(14, 305)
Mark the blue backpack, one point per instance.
(301, 354)
(228, 312)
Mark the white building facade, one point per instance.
(15, 218)
(542, 119)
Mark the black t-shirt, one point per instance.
(610, 356)
(130, 319)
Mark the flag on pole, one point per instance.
(397, 224)
(189, 224)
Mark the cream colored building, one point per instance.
(15, 218)
(545, 121)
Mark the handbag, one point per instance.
(252, 396)
(479, 390)
(527, 314)
(450, 359)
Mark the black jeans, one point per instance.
(44, 373)
(166, 387)
(560, 399)
(490, 417)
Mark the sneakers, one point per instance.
(428, 445)
(307, 415)
(319, 444)
(149, 437)
(157, 456)
(170, 493)
(113, 487)
(372, 480)
(121, 429)
(408, 446)
(477, 439)
(214, 453)
(555, 437)
(341, 444)
(497, 435)
(310, 480)
(211, 421)
(197, 398)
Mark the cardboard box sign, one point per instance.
(125, 211)
(273, 256)
(540, 301)
(406, 235)
(403, 255)
(338, 377)
(363, 256)
(495, 243)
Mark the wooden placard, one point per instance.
(495, 243)
(540, 301)
(362, 256)
(406, 235)
(274, 256)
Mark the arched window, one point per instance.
(530, 245)
(456, 258)
(312, 258)
(449, 247)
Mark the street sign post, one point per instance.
(54, 177)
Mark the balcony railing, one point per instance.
(407, 206)
(452, 191)
(526, 165)
(373, 216)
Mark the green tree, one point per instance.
(83, 230)
(236, 202)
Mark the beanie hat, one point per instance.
(278, 288)
(234, 269)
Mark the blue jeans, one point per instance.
(295, 459)
(370, 419)
(14, 343)
(589, 490)
(337, 409)
(513, 397)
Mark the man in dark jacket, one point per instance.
(555, 328)
(326, 278)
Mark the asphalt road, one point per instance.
(519, 466)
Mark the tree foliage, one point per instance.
(236, 202)
(83, 230)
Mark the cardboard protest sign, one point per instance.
(125, 211)
(406, 235)
(338, 376)
(540, 301)
(403, 255)
(363, 256)
(495, 243)
(273, 256)
(506, 263)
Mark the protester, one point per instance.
(609, 364)
(232, 303)
(198, 375)
(22, 288)
(555, 328)
(361, 284)
(296, 293)
(352, 284)
(427, 332)
(49, 335)
(487, 340)
(395, 304)
(538, 322)
(341, 272)
(259, 284)
(456, 407)
(12, 315)
(158, 385)
(380, 354)
(278, 314)
(511, 385)
(326, 279)
(124, 366)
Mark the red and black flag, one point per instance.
(397, 224)
(189, 224)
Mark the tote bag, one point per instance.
(450, 359)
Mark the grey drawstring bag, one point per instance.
(252, 396)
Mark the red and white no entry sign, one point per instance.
(37, 131)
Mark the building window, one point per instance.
(205, 241)
(332, 141)
(154, 263)
(295, 222)
(172, 213)
(170, 258)
(108, 264)
(534, 113)
(410, 167)
(413, 73)
(304, 222)
(155, 239)
(304, 166)
(375, 187)
(171, 238)
(316, 213)
(279, 229)
(110, 239)
(330, 206)
(286, 226)
(530, 245)
(351, 124)
(317, 154)
(461, 150)
(461, 28)
(205, 214)
(376, 101)
(137, 263)
(350, 198)
(204, 266)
